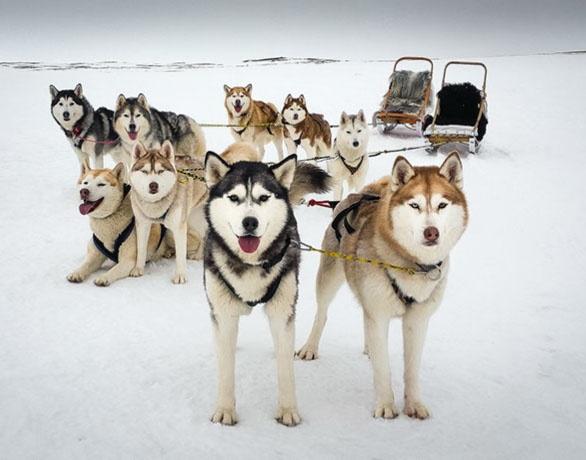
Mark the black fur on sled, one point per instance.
(459, 105)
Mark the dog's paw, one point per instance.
(288, 416)
(385, 410)
(416, 409)
(75, 277)
(225, 416)
(179, 278)
(169, 253)
(194, 255)
(137, 272)
(102, 281)
(308, 352)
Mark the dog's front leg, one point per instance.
(180, 236)
(377, 331)
(414, 331)
(92, 262)
(121, 270)
(225, 318)
(143, 229)
(291, 146)
(281, 313)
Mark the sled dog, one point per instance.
(350, 164)
(250, 259)
(309, 130)
(258, 122)
(90, 132)
(106, 201)
(412, 219)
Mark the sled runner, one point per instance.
(460, 112)
(407, 99)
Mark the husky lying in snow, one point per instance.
(411, 219)
(350, 164)
(162, 195)
(310, 130)
(249, 259)
(107, 203)
(136, 121)
(90, 132)
(251, 116)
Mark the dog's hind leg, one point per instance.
(415, 323)
(281, 313)
(330, 277)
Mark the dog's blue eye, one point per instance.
(414, 205)
(233, 198)
(442, 205)
(263, 198)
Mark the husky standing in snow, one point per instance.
(136, 121)
(350, 164)
(90, 132)
(162, 195)
(250, 259)
(105, 200)
(411, 219)
(258, 122)
(310, 130)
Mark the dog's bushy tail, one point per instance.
(309, 178)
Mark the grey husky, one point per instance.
(90, 132)
(250, 258)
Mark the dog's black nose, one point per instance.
(431, 234)
(295, 116)
(65, 114)
(131, 126)
(250, 224)
(153, 187)
(84, 193)
(355, 143)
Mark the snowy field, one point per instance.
(128, 371)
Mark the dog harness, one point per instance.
(271, 289)
(122, 237)
(350, 168)
(342, 216)
(408, 300)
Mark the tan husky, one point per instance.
(162, 195)
(107, 203)
(310, 130)
(411, 219)
(258, 122)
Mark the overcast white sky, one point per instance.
(165, 31)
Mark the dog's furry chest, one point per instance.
(292, 132)
(109, 228)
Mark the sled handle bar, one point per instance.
(414, 58)
(470, 63)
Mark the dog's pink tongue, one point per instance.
(86, 208)
(238, 108)
(132, 135)
(249, 244)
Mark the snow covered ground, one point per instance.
(128, 371)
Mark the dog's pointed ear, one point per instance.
(361, 117)
(288, 99)
(142, 100)
(227, 89)
(215, 168)
(53, 91)
(452, 170)
(138, 151)
(78, 90)
(343, 118)
(402, 173)
(120, 101)
(168, 151)
(248, 88)
(284, 171)
(85, 167)
(119, 170)
(301, 99)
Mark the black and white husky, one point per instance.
(90, 132)
(250, 259)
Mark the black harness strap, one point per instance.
(343, 215)
(241, 131)
(297, 142)
(113, 255)
(351, 169)
(407, 300)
